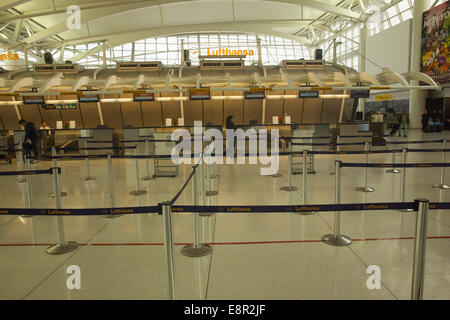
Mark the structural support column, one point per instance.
(362, 63)
(418, 97)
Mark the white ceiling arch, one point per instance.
(93, 11)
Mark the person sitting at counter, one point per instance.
(44, 126)
(32, 139)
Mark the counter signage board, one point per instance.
(138, 97)
(33, 100)
(360, 94)
(200, 94)
(308, 94)
(88, 98)
(255, 93)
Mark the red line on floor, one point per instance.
(214, 243)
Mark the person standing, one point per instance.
(425, 118)
(32, 139)
(404, 122)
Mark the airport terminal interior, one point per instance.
(224, 150)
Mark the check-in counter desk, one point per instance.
(137, 136)
(360, 132)
(6, 142)
(97, 138)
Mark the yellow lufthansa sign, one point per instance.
(71, 93)
(384, 97)
(380, 88)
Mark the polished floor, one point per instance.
(254, 256)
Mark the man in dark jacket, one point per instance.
(32, 139)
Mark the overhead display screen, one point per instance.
(88, 98)
(308, 94)
(200, 94)
(33, 100)
(360, 94)
(138, 97)
(255, 93)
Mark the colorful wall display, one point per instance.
(436, 43)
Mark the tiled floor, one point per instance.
(255, 256)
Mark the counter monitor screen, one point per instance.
(255, 94)
(308, 94)
(200, 94)
(144, 97)
(33, 100)
(360, 94)
(88, 98)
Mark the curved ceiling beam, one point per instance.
(313, 4)
(24, 82)
(82, 81)
(55, 80)
(110, 81)
(411, 76)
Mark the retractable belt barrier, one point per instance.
(392, 165)
(29, 172)
(224, 209)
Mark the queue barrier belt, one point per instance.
(225, 209)
(395, 165)
(28, 172)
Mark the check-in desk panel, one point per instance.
(360, 132)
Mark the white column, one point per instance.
(417, 97)
(362, 63)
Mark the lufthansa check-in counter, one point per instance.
(360, 132)
(96, 138)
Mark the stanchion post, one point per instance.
(442, 185)
(366, 188)
(393, 170)
(20, 162)
(289, 187)
(88, 169)
(337, 239)
(403, 182)
(63, 246)
(55, 165)
(418, 273)
(112, 201)
(305, 183)
(196, 249)
(168, 246)
(137, 192)
(29, 191)
(210, 192)
(147, 162)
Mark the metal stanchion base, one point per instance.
(289, 188)
(190, 251)
(26, 216)
(137, 193)
(90, 178)
(147, 178)
(365, 189)
(111, 216)
(215, 176)
(310, 213)
(340, 241)
(206, 214)
(21, 180)
(211, 193)
(441, 186)
(393, 171)
(61, 249)
(276, 175)
(62, 194)
(406, 210)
